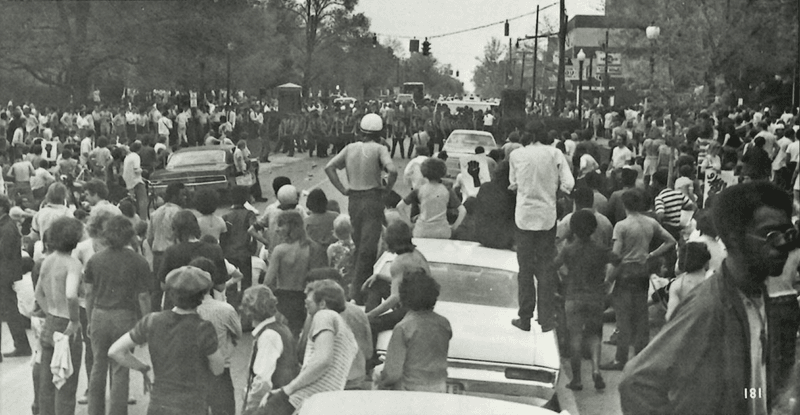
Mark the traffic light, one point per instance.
(426, 47)
(374, 40)
(413, 46)
(506, 31)
(456, 74)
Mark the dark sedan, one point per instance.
(204, 167)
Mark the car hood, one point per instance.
(485, 334)
(195, 169)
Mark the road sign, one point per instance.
(613, 71)
(570, 73)
(615, 58)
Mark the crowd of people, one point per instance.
(630, 226)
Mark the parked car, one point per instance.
(410, 403)
(488, 356)
(460, 147)
(203, 167)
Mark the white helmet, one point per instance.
(371, 123)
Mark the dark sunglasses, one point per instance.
(783, 240)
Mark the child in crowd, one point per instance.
(586, 262)
(340, 253)
(693, 262)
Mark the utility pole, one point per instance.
(562, 59)
(510, 70)
(605, 74)
(522, 72)
(536, 58)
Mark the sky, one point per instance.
(403, 19)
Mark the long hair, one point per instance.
(297, 229)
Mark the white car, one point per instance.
(488, 356)
(409, 403)
(460, 148)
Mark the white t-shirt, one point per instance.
(793, 151)
(780, 159)
(620, 157)
(488, 120)
(164, 125)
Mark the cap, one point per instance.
(188, 279)
(287, 195)
(371, 123)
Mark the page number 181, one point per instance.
(752, 393)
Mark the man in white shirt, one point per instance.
(87, 145)
(413, 173)
(182, 119)
(779, 163)
(132, 174)
(537, 173)
(488, 121)
(164, 127)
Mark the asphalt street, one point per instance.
(16, 390)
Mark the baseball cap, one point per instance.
(188, 279)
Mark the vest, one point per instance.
(286, 368)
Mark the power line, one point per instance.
(470, 29)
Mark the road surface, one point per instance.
(16, 390)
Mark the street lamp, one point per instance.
(581, 58)
(230, 49)
(652, 33)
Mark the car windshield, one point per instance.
(467, 284)
(467, 142)
(196, 158)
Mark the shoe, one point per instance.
(83, 400)
(18, 353)
(599, 383)
(576, 386)
(131, 401)
(612, 366)
(524, 325)
(548, 327)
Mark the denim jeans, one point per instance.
(107, 327)
(54, 401)
(630, 306)
(384, 322)
(292, 304)
(536, 251)
(88, 356)
(366, 216)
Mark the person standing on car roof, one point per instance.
(364, 162)
(537, 173)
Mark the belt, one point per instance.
(359, 192)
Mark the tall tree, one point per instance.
(317, 20)
(728, 46)
(490, 74)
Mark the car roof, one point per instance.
(225, 147)
(472, 132)
(379, 402)
(448, 251)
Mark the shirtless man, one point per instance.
(398, 240)
(364, 162)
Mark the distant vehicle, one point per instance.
(461, 145)
(203, 167)
(345, 101)
(417, 89)
(403, 98)
(488, 356)
(474, 104)
(380, 402)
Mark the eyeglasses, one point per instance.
(783, 240)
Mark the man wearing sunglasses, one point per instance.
(712, 357)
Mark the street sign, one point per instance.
(615, 58)
(570, 73)
(613, 71)
(192, 99)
